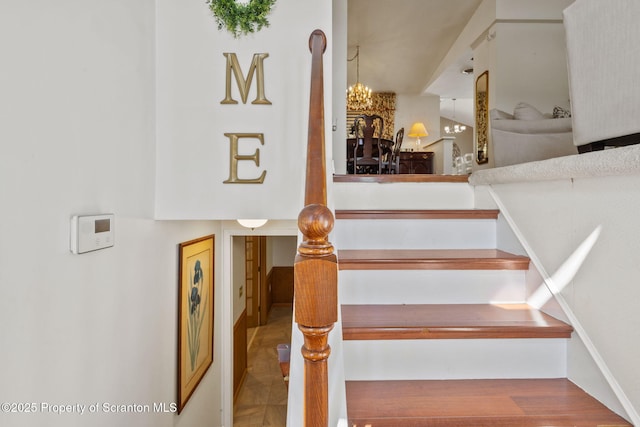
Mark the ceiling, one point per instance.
(403, 42)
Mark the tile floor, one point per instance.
(262, 400)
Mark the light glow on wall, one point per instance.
(566, 272)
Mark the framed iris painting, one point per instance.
(195, 315)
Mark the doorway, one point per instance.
(232, 305)
(262, 277)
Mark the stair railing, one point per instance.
(315, 267)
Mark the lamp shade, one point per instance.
(417, 130)
(252, 223)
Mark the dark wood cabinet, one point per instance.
(416, 162)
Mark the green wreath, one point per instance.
(241, 19)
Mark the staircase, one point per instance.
(436, 329)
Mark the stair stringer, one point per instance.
(593, 374)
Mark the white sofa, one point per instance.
(528, 135)
(603, 63)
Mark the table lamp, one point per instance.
(417, 130)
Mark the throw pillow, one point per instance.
(500, 115)
(524, 111)
(559, 112)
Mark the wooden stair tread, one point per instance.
(494, 402)
(384, 178)
(449, 321)
(430, 259)
(417, 214)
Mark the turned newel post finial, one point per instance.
(323, 40)
(315, 222)
(316, 270)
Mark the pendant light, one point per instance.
(456, 128)
(358, 95)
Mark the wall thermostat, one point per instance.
(91, 232)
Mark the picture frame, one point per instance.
(482, 118)
(195, 314)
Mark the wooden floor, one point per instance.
(400, 178)
(417, 214)
(449, 321)
(427, 259)
(262, 400)
(477, 403)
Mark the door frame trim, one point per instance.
(229, 229)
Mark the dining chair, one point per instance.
(394, 157)
(368, 151)
(352, 143)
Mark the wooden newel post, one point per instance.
(316, 300)
(316, 267)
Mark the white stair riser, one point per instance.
(406, 195)
(455, 359)
(415, 234)
(431, 286)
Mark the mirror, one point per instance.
(482, 118)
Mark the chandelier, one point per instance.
(358, 95)
(456, 128)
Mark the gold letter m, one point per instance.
(245, 85)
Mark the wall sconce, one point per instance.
(252, 223)
(417, 130)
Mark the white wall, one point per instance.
(525, 9)
(482, 19)
(339, 60)
(554, 218)
(77, 137)
(530, 66)
(193, 153)
(283, 250)
(411, 109)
